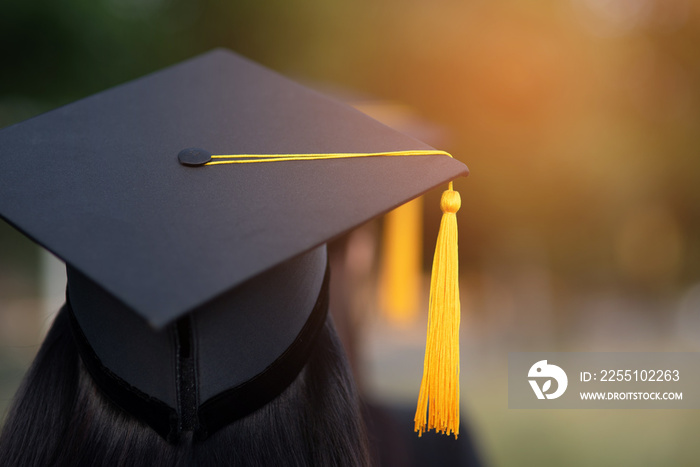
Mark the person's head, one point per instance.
(101, 384)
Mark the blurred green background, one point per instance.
(579, 120)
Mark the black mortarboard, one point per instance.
(112, 184)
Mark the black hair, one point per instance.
(59, 417)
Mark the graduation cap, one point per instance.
(191, 207)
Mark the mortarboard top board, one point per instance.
(112, 184)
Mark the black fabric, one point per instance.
(99, 184)
(248, 328)
(186, 376)
(233, 338)
(144, 357)
(155, 413)
(246, 398)
(221, 409)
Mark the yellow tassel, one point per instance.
(400, 271)
(439, 391)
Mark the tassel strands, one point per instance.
(439, 392)
(401, 266)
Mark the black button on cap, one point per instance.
(194, 156)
